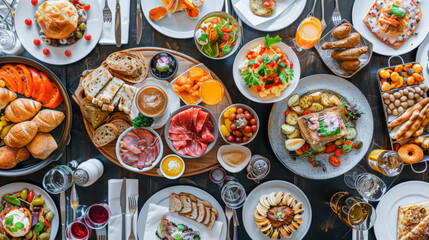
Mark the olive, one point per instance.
(410, 71)
(79, 34)
(358, 145)
(82, 26)
(38, 202)
(49, 216)
(44, 236)
(29, 235)
(48, 230)
(24, 194)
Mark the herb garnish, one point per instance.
(142, 121)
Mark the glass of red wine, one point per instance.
(77, 230)
(97, 216)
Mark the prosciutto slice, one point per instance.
(139, 148)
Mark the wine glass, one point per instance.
(77, 230)
(308, 33)
(369, 186)
(97, 216)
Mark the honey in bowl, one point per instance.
(151, 101)
(211, 92)
(172, 166)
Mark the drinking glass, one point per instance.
(9, 42)
(233, 193)
(308, 33)
(353, 211)
(369, 186)
(77, 230)
(97, 216)
(58, 179)
(388, 163)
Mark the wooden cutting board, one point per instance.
(192, 166)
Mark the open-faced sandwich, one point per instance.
(168, 230)
(413, 221)
(393, 21)
(263, 8)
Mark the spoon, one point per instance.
(74, 201)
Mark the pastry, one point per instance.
(410, 153)
(6, 97)
(263, 8)
(48, 120)
(342, 31)
(350, 41)
(410, 217)
(350, 65)
(21, 134)
(404, 117)
(22, 109)
(349, 54)
(42, 146)
(9, 157)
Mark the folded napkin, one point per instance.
(156, 212)
(108, 34)
(115, 223)
(243, 7)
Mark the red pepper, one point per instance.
(272, 63)
(79, 6)
(214, 21)
(251, 53)
(287, 112)
(258, 88)
(270, 86)
(227, 30)
(30, 196)
(46, 222)
(263, 48)
(188, 4)
(256, 65)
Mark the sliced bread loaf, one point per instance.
(213, 218)
(175, 204)
(201, 212)
(187, 203)
(121, 125)
(95, 86)
(105, 134)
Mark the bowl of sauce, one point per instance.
(163, 65)
(171, 167)
(233, 158)
(212, 92)
(151, 101)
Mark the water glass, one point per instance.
(58, 179)
(233, 194)
(9, 42)
(369, 186)
(77, 230)
(97, 216)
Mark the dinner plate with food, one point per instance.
(322, 130)
(177, 18)
(394, 27)
(59, 32)
(266, 70)
(422, 56)
(276, 210)
(27, 211)
(403, 212)
(179, 211)
(268, 15)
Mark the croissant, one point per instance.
(9, 157)
(48, 120)
(6, 96)
(21, 134)
(22, 109)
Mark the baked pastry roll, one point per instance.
(48, 120)
(57, 18)
(21, 134)
(22, 109)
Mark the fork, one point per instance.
(323, 15)
(132, 205)
(336, 15)
(311, 14)
(101, 234)
(107, 14)
(228, 214)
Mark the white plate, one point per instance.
(254, 96)
(280, 22)
(179, 25)
(423, 58)
(385, 226)
(267, 188)
(162, 198)
(172, 105)
(18, 186)
(79, 50)
(360, 8)
(234, 147)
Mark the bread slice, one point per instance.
(128, 66)
(121, 125)
(175, 204)
(259, 9)
(95, 86)
(115, 101)
(187, 203)
(105, 134)
(208, 215)
(100, 72)
(109, 92)
(201, 212)
(194, 213)
(213, 218)
(126, 100)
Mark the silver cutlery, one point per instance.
(101, 234)
(227, 7)
(427, 66)
(107, 14)
(139, 19)
(63, 213)
(123, 202)
(12, 11)
(118, 24)
(336, 15)
(74, 201)
(228, 214)
(323, 15)
(311, 14)
(132, 205)
(236, 224)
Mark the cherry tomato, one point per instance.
(231, 117)
(252, 121)
(246, 112)
(67, 53)
(291, 65)
(36, 42)
(240, 110)
(334, 161)
(88, 37)
(396, 146)
(214, 20)
(75, 1)
(248, 116)
(28, 22)
(306, 111)
(86, 7)
(268, 3)
(46, 51)
(225, 36)
(238, 133)
(338, 152)
(30, 196)
(46, 222)
(34, 2)
(238, 140)
(245, 139)
(254, 128)
(287, 112)
(348, 146)
(233, 127)
(330, 148)
(247, 129)
(230, 138)
(258, 88)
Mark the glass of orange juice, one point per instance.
(308, 33)
(211, 92)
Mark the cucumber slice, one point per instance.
(351, 133)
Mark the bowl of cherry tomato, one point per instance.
(238, 124)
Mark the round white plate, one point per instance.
(361, 7)
(423, 57)
(385, 226)
(18, 186)
(267, 188)
(280, 22)
(172, 105)
(162, 198)
(364, 126)
(79, 50)
(179, 25)
(254, 96)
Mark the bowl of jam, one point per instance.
(163, 65)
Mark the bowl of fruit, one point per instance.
(238, 124)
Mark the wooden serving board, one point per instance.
(193, 166)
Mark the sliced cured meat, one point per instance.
(201, 119)
(144, 134)
(209, 125)
(179, 144)
(131, 138)
(131, 147)
(203, 147)
(141, 160)
(175, 128)
(129, 158)
(180, 137)
(185, 118)
(195, 112)
(206, 136)
(139, 148)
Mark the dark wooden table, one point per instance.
(325, 225)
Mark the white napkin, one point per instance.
(243, 7)
(156, 212)
(355, 235)
(115, 223)
(108, 34)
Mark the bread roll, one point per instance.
(22, 109)
(21, 134)
(9, 157)
(48, 120)
(42, 146)
(6, 96)
(57, 19)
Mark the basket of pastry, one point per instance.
(321, 122)
(35, 117)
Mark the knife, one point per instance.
(139, 19)
(118, 24)
(236, 224)
(123, 202)
(63, 213)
